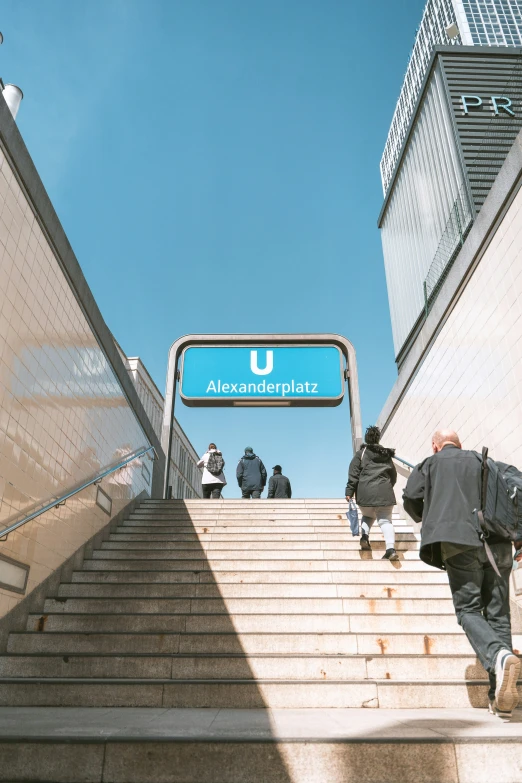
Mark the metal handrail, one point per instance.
(408, 464)
(58, 502)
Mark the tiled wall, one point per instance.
(471, 378)
(63, 415)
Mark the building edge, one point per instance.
(30, 181)
(500, 197)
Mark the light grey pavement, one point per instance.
(326, 725)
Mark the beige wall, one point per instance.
(471, 378)
(63, 414)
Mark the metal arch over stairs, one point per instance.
(257, 340)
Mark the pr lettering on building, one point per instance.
(499, 104)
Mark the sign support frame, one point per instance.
(259, 340)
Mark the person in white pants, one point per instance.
(383, 516)
(371, 478)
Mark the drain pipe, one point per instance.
(12, 94)
(13, 97)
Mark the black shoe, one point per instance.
(390, 554)
(365, 542)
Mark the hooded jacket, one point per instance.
(443, 492)
(251, 473)
(372, 475)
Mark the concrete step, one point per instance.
(395, 578)
(255, 590)
(274, 520)
(147, 528)
(382, 625)
(233, 606)
(335, 520)
(251, 564)
(211, 637)
(124, 534)
(338, 746)
(262, 513)
(233, 545)
(251, 667)
(241, 694)
(234, 554)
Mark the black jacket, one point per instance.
(279, 486)
(443, 492)
(372, 475)
(251, 473)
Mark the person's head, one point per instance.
(277, 469)
(443, 438)
(212, 446)
(249, 450)
(373, 435)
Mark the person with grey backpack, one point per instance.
(213, 479)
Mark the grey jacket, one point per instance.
(279, 486)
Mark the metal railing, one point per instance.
(74, 491)
(403, 461)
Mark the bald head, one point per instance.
(443, 438)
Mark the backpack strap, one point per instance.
(484, 535)
(484, 478)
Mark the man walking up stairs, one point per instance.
(226, 642)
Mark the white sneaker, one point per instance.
(507, 670)
(494, 710)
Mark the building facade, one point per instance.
(466, 22)
(464, 368)
(467, 117)
(68, 409)
(185, 476)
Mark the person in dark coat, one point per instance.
(371, 478)
(444, 492)
(279, 485)
(251, 475)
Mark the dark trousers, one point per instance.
(481, 601)
(255, 494)
(212, 491)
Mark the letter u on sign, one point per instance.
(269, 363)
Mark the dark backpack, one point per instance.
(501, 499)
(215, 463)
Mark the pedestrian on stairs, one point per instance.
(371, 478)
(279, 485)
(251, 475)
(444, 492)
(213, 479)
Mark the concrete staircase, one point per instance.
(241, 605)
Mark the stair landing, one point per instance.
(273, 746)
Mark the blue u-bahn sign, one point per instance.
(262, 375)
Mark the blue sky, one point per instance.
(215, 166)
